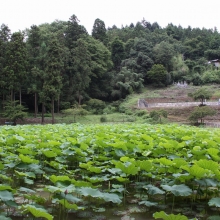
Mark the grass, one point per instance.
(129, 107)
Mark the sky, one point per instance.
(22, 14)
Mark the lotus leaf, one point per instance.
(165, 216)
(148, 203)
(153, 190)
(214, 202)
(5, 195)
(37, 212)
(178, 190)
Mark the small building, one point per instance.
(216, 62)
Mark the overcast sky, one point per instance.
(21, 14)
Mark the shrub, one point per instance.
(131, 119)
(109, 109)
(103, 118)
(95, 106)
(64, 105)
(140, 113)
(14, 111)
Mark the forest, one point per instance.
(52, 67)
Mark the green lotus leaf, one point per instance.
(196, 171)
(164, 161)
(87, 191)
(178, 162)
(27, 159)
(214, 153)
(120, 153)
(146, 153)
(67, 205)
(208, 164)
(23, 189)
(178, 190)
(54, 178)
(122, 180)
(1, 166)
(49, 153)
(145, 165)
(119, 144)
(37, 212)
(147, 137)
(183, 176)
(114, 170)
(57, 166)
(128, 168)
(69, 197)
(5, 195)
(207, 182)
(95, 169)
(5, 187)
(4, 177)
(214, 202)
(17, 137)
(28, 181)
(111, 197)
(153, 190)
(84, 146)
(165, 216)
(148, 203)
(26, 151)
(2, 217)
(52, 189)
(94, 179)
(68, 152)
(11, 204)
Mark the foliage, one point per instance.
(103, 118)
(126, 82)
(200, 112)
(201, 94)
(75, 111)
(95, 106)
(157, 115)
(14, 111)
(158, 75)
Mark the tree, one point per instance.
(199, 113)
(17, 64)
(75, 111)
(53, 80)
(5, 35)
(158, 75)
(118, 53)
(163, 54)
(99, 31)
(74, 31)
(157, 115)
(201, 94)
(34, 63)
(127, 82)
(81, 68)
(14, 111)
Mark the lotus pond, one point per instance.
(112, 172)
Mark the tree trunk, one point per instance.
(52, 110)
(20, 96)
(12, 95)
(58, 105)
(42, 116)
(79, 98)
(35, 105)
